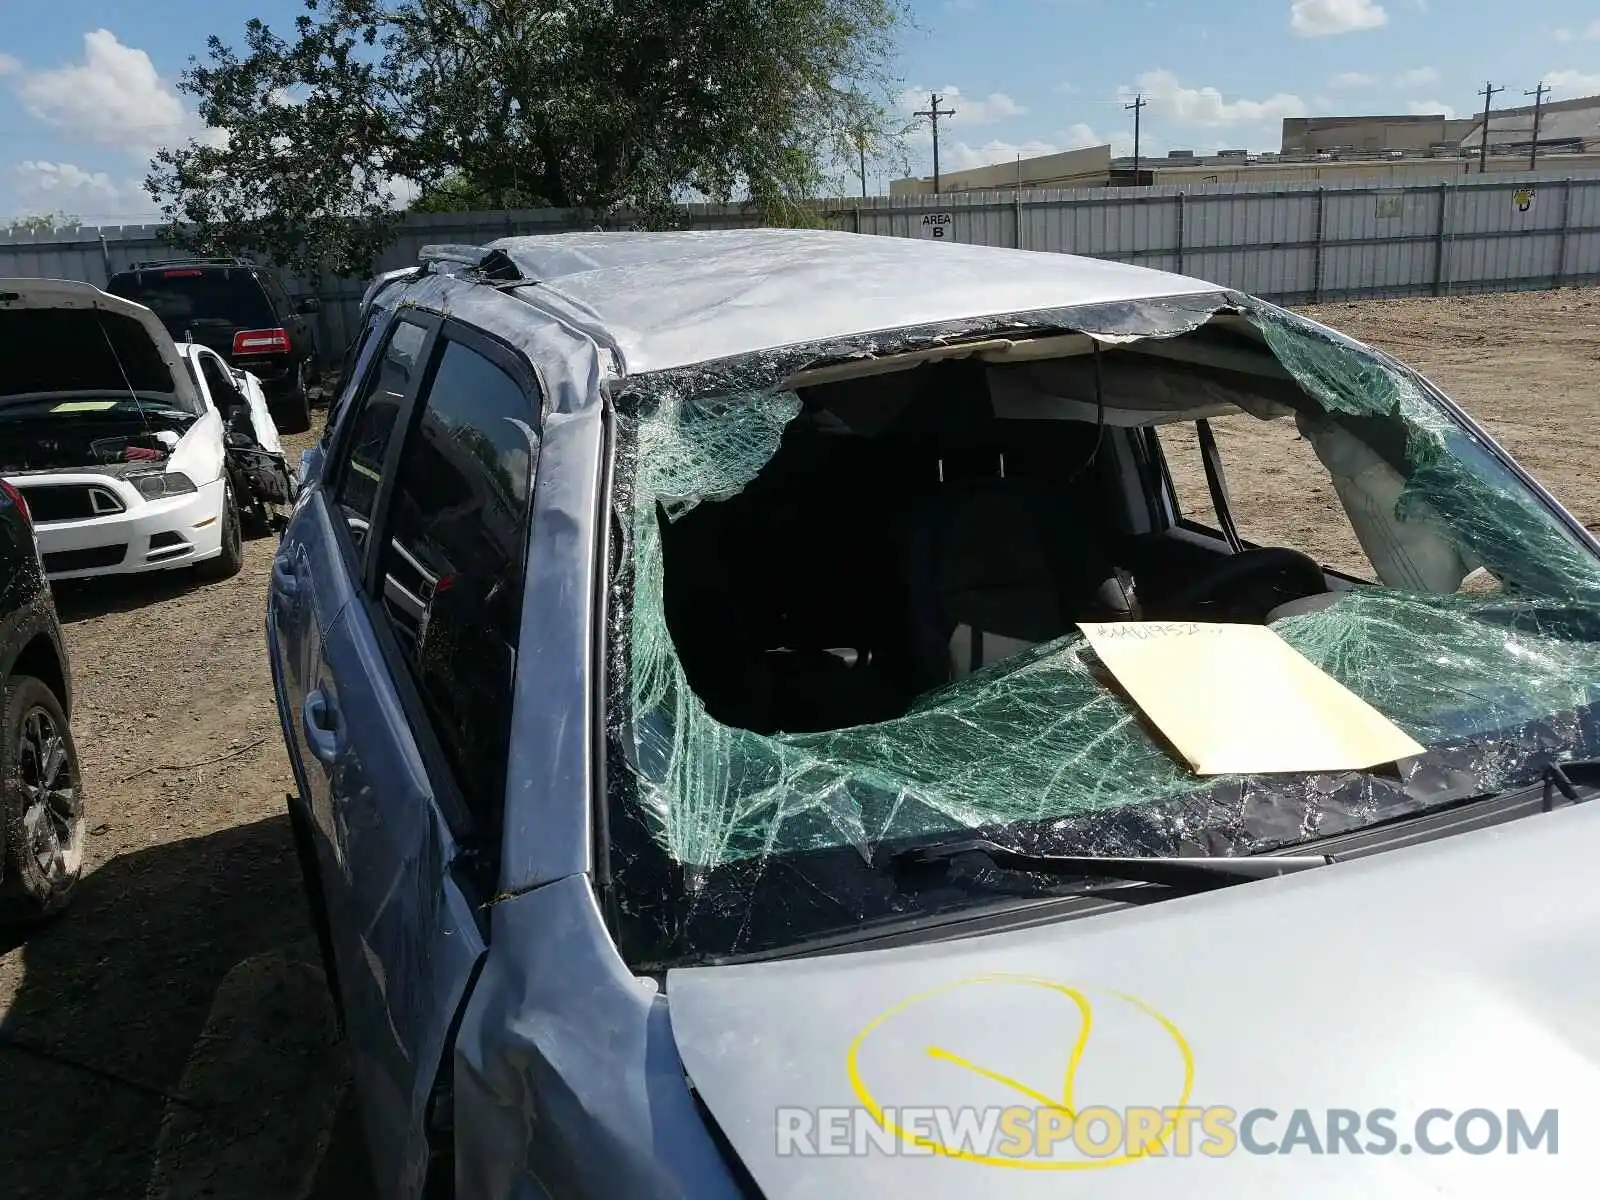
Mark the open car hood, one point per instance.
(1459, 975)
(75, 353)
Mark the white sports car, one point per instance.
(133, 453)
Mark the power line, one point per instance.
(1538, 95)
(933, 113)
(1488, 92)
(1138, 110)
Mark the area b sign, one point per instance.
(940, 226)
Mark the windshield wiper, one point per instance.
(1558, 778)
(1193, 873)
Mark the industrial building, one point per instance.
(1310, 136)
(1383, 150)
(1070, 169)
(1565, 127)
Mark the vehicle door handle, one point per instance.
(321, 723)
(285, 580)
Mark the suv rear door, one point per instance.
(409, 711)
(317, 560)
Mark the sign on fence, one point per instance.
(1523, 199)
(940, 226)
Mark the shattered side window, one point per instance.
(1451, 479)
(1037, 743)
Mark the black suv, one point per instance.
(241, 311)
(42, 824)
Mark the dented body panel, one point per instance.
(523, 1041)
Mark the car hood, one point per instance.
(1462, 974)
(143, 344)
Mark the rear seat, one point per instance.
(993, 563)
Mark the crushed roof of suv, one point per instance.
(673, 299)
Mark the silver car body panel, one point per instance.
(1456, 974)
(670, 299)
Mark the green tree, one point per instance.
(599, 105)
(42, 222)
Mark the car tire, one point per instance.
(292, 414)
(43, 829)
(231, 561)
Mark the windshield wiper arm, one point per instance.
(1167, 872)
(1558, 778)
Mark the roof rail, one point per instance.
(192, 261)
(496, 264)
(450, 252)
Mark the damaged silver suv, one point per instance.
(709, 785)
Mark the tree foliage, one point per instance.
(600, 105)
(41, 222)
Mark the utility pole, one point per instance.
(861, 145)
(933, 113)
(1538, 95)
(1138, 110)
(1488, 93)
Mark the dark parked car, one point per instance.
(42, 824)
(241, 311)
(697, 654)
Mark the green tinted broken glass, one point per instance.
(1038, 736)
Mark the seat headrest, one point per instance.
(952, 420)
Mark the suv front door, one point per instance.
(409, 715)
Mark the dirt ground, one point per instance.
(168, 1036)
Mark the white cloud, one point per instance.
(1081, 137)
(969, 110)
(1354, 79)
(1207, 106)
(1419, 77)
(963, 157)
(1325, 18)
(114, 97)
(9, 65)
(1589, 33)
(49, 176)
(1430, 108)
(1574, 83)
(52, 186)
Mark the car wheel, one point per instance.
(42, 825)
(293, 413)
(231, 560)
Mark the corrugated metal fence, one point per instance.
(1294, 244)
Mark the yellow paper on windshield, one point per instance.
(1238, 699)
(84, 406)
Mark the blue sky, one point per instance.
(86, 89)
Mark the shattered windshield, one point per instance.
(771, 729)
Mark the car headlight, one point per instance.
(159, 487)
